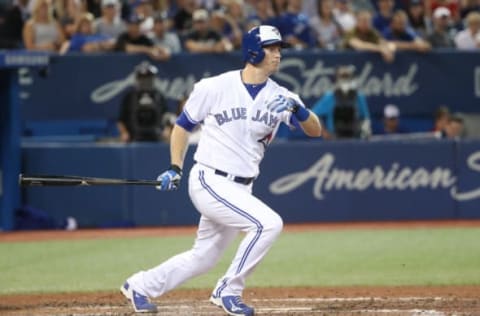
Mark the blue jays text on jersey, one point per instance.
(240, 113)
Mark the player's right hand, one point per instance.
(281, 103)
(169, 179)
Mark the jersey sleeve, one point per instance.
(198, 103)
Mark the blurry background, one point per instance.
(92, 88)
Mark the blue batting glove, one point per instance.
(281, 103)
(169, 179)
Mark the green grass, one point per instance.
(329, 258)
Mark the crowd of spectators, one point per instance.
(160, 28)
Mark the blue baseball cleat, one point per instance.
(234, 305)
(140, 302)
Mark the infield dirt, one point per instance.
(451, 300)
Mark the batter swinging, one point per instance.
(239, 112)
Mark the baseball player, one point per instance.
(239, 112)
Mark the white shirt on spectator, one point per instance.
(170, 40)
(346, 20)
(465, 40)
(327, 35)
(113, 30)
(310, 8)
(147, 26)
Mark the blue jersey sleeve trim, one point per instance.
(184, 121)
(189, 117)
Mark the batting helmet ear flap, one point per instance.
(252, 46)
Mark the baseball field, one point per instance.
(420, 268)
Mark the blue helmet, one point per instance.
(257, 38)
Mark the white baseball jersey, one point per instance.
(236, 128)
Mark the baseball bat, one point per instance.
(61, 180)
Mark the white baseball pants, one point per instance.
(227, 208)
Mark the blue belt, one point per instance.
(240, 180)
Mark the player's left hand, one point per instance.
(169, 179)
(281, 103)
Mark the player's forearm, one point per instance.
(178, 145)
(311, 126)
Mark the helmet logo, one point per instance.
(275, 30)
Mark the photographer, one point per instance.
(144, 111)
(344, 110)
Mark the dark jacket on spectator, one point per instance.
(125, 39)
(11, 29)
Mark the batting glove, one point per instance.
(170, 179)
(281, 103)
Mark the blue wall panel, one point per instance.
(303, 181)
(354, 200)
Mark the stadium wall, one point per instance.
(90, 87)
(303, 181)
(77, 94)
